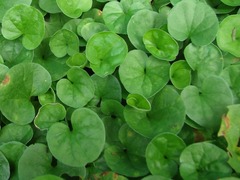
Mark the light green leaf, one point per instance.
(49, 6)
(80, 145)
(138, 102)
(25, 21)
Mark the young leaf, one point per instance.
(162, 154)
(25, 21)
(140, 23)
(167, 114)
(48, 114)
(64, 42)
(105, 52)
(77, 90)
(78, 59)
(74, 8)
(80, 145)
(160, 44)
(201, 160)
(143, 75)
(29, 79)
(228, 35)
(180, 74)
(138, 102)
(91, 28)
(206, 106)
(199, 23)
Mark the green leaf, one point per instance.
(160, 44)
(116, 14)
(91, 28)
(206, 106)
(64, 42)
(105, 52)
(231, 2)
(204, 160)
(167, 114)
(141, 22)
(230, 129)
(5, 5)
(37, 161)
(49, 6)
(205, 61)
(143, 75)
(120, 162)
(4, 167)
(199, 22)
(29, 79)
(180, 74)
(25, 21)
(78, 59)
(13, 151)
(48, 114)
(14, 53)
(155, 177)
(80, 145)
(138, 102)
(228, 35)
(48, 97)
(14, 132)
(48, 177)
(77, 90)
(162, 154)
(74, 8)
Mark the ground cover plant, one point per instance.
(129, 89)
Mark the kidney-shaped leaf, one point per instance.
(206, 106)
(28, 79)
(123, 163)
(228, 35)
(25, 21)
(64, 42)
(77, 90)
(160, 44)
(199, 22)
(140, 23)
(82, 144)
(167, 114)
(204, 160)
(116, 14)
(48, 114)
(74, 8)
(143, 75)
(105, 51)
(162, 154)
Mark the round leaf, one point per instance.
(122, 163)
(180, 74)
(140, 23)
(82, 144)
(206, 106)
(143, 75)
(116, 14)
(201, 160)
(160, 44)
(105, 52)
(78, 59)
(204, 60)
(162, 154)
(77, 90)
(199, 22)
(91, 28)
(49, 6)
(64, 42)
(29, 79)
(25, 21)
(14, 132)
(5, 5)
(228, 35)
(74, 8)
(4, 167)
(167, 114)
(138, 102)
(48, 114)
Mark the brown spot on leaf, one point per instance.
(226, 121)
(6, 80)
